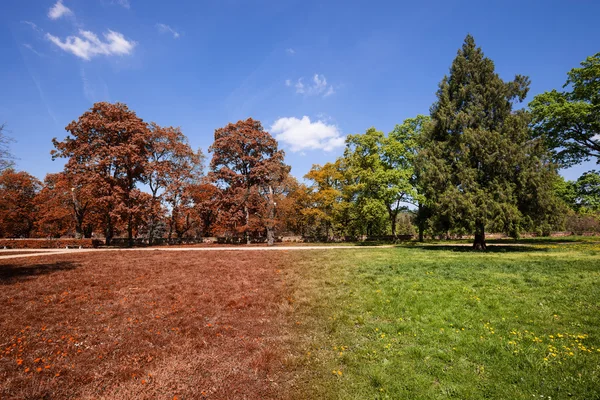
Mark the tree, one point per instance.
(53, 211)
(569, 121)
(411, 134)
(292, 201)
(206, 198)
(479, 166)
(17, 203)
(107, 150)
(64, 207)
(325, 196)
(6, 158)
(172, 167)
(382, 168)
(587, 190)
(246, 164)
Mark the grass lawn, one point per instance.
(410, 322)
(445, 322)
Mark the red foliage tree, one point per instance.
(172, 167)
(107, 150)
(17, 203)
(64, 207)
(206, 198)
(246, 165)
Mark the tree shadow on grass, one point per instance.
(490, 249)
(549, 240)
(10, 273)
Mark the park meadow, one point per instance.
(392, 289)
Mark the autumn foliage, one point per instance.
(124, 177)
(248, 167)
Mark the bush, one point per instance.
(582, 223)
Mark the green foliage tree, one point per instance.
(566, 191)
(479, 166)
(569, 121)
(411, 134)
(381, 169)
(587, 191)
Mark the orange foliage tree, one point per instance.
(17, 203)
(171, 169)
(106, 150)
(246, 165)
(65, 207)
(206, 198)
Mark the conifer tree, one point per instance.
(479, 168)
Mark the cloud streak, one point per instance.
(164, 28)
(59, 10)
(30, 47)
(87, 45)
(302, 134)
(33, 26)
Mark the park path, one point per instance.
(47, 252)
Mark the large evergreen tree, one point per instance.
(479, 167)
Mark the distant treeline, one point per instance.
(475, 164)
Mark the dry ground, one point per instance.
(140, 324)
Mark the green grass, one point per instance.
(436, 323)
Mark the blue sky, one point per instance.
(311, 71)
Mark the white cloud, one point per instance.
(318, 86)
(163, 28)
(59, 10)
(288, 82)
(302, 134)
(290, 51)
(87, 44)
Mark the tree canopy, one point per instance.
(246, 164)
(569, 121)
(478, 163)
(480, 168)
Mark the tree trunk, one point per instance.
(151, 233)
(78, 228)
(392, 216)
(129, 231)
(78, 216)
(151, 227)
(479, 242)
(270, 233)
(108, 233)
(421, 223)
(247, 224)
